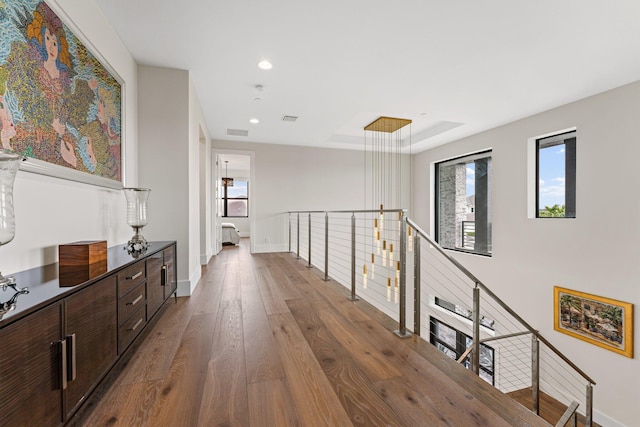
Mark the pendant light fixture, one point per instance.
(383, 169)
(227, 181)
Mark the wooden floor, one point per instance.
(265, 342)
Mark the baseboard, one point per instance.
(204, 259)
(186, 287)
(245, 234)
(605, 420)
(270, 248)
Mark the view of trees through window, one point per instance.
(556, 168)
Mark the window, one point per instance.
(463, 203)
(463, 312)
(556, 176)
(454, 343)
(235, 198)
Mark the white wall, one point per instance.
(595, 253)
(51, 211)
(170, 165)
(298, 178)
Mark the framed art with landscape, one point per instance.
(601, 321)
(59, 105)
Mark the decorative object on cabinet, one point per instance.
(81, 261)
(9, 163)
(601, 321)
(63, 104)
(137, 218)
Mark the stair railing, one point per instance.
(341, 242)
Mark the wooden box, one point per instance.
(82, 253)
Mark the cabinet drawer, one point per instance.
(130, 277)
(131, 328)
(131, 302)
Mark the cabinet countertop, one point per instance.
(45, 284)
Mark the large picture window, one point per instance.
(235, 198)
(556, 176)
(454, 343)
(463, 203)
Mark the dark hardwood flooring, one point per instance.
(264, 341)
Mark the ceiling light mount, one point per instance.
(265, 65)
(254, 121)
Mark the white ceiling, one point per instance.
(338, 65)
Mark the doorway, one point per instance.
(234, 194)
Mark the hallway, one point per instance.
(265, 342)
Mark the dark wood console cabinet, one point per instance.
(61, 341)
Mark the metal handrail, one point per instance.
(353, 211)
(569, 413)
(498, 300)
(479, 286)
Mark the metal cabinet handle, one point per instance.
(135, 301)
(71, 357)
(136, 325)
(62, 349)
(135, 276)
(163, 276)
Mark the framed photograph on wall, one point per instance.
(59, 105)
(601, 321)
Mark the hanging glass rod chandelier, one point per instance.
(384, 167)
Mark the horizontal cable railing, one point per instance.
(385, 259)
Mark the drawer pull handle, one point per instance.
(62, 350)
(138, 323)
(135, 276)
(135, 301)
(72, 370)
(163, 276)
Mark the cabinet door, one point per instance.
(31, 370)
(171, 280)
(155, 291)
(91, 324)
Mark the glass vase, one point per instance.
(137, 218)
(9, 164)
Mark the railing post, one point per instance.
(298, 237)
(416, 285)
(475, 355)
(402, 331)
(289, 232)
(326, 246)
(535, 373)
(353, 296)
(589, 409)
(309, 259)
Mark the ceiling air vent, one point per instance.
(237, 132)
(289, 118)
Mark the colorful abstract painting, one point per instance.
(58, 103)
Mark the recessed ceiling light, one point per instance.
(254, 121)
(265, 65)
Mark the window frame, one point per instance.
(467, 158)
(225, 199)
(569, 140)
(461, 340)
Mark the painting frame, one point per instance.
(44, 167)
(601, 321)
